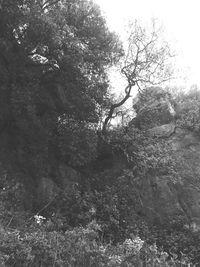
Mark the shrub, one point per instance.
(77, 247)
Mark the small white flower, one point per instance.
(39, 219)
(92, 210)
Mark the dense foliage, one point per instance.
(53, 82)
(77, 247)
(71, 195)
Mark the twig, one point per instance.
(10, 221)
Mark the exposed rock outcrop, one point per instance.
(163, 131)
(153, 108)
(47, 189)
(165, 198)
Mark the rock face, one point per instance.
(163, 131)
(47, 189)
(153, 109)
(164, 198)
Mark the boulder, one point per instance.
(163, 131)
(154, 108)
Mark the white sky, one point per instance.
(181, 19)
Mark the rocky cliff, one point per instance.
(166, 199)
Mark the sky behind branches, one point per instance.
(181, 21)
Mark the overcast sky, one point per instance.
(180, 18)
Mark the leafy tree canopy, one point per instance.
(53, 61)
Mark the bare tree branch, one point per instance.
(48, 3)
(116, 105)
(145, 63)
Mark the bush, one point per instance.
(77, 247)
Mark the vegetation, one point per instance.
(74, 192)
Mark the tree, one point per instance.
(147, 62)
(53, 61)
